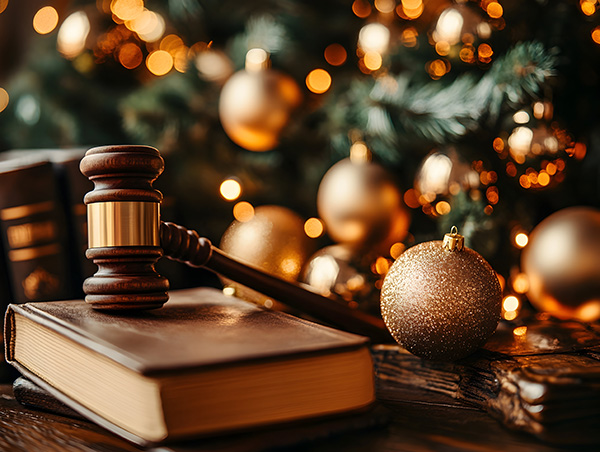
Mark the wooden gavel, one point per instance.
(127, 237)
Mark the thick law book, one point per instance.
(204, 364)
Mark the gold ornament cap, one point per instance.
(453, 241)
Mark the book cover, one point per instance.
(34, 232)
(202, 364)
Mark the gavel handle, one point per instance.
(187, 246)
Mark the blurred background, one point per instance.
(319, 139)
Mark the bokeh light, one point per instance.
(361, 8)
(230, 189)
(73, 34)
(520, 331)
(4, 98)
(313, 227)
(318, 81)
(3, 5)
(130, 55)
(159, 62)
(335, 54)
(127, 9)
(45, 20)
(243, 211)
(373, 60)
(521, 240)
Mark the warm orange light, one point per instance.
(4, 98)
(313, 227)
(543, 178)
(409, 37)
(127, 9)
(495, 10)
(437, 69)
(230, 189)
(485, 51)
(492, 195)
(373, 60)
(243, 211)
(596, 35)
(488, 210)
(159, 62)
(443, 208)
(385, 6)
(510, 315)
(171, 43)
(520, 284)
(467, 54)
(335, 54)
(3, 5)
(45, 20)
(524, 181)
(588, 7)
(510, 303)
(397, 249)
(382, 265)
(318, 81)
(521, 240)
(442, 48)
(411, 198)
(130, 55)
(520, 331)
(361, 8)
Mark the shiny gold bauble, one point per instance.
(361, 206)
(256, 105)
(562, 263)
(273, 241)
(443, 173)
(441, 304)
(336, 270)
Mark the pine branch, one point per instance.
(395, 111)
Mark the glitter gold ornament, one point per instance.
(562, 263)
(273, 241)
(441, 300)
(361, 206)
(255, 105)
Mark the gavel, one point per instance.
(126, 238)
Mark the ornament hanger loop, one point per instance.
(454, 241)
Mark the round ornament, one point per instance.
(273, 241)
(444, 173)
(562, 263)
(535, 147)
(441, 300)
(361, 206)
(337, 270)
(256, 104)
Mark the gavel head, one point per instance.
(124, 228)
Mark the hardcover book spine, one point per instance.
(33, 229)
(72, 187)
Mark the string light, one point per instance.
(243, 211)
(230, 189)
(335, 54)
(361, 8)
(318, 81)
(73, 34)
(45, 20)
(4, 98)
(521, 240)
(130, 55)
(159, 62)
(313, 227)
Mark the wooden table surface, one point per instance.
(412, 426)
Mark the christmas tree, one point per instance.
(478, 114)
